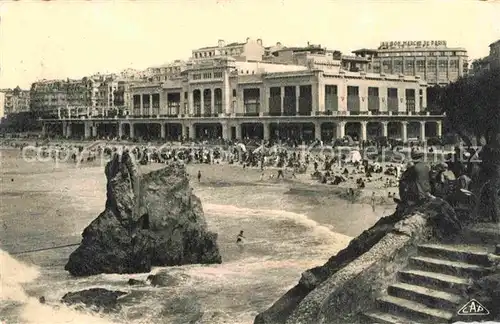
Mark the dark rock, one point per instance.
(149, 220)
(99, 299)
(162, 279)
(133, 282)
(370, 260)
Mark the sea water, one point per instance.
(43, 205)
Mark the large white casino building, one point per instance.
(295, 93)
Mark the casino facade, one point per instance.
(313, 98)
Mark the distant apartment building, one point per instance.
(132, 74)
(317, 57)
(250, 50)
(479, 65)
(492, 61)
(57, 97)
(494, 57)
(14, 101)
(99, 95)
(123, 96)
(167, 71)
(433, 61)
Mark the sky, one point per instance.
(71, 39)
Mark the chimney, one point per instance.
(259, 41)
(221, 43)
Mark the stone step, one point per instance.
(414, 311)
(435, 280)
(385, 318)
(426, 296)
(454, 268)
(474, 254)
(482, 233)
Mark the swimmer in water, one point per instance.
(239, 240)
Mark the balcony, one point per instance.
(333, 113)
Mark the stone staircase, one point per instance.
(432, 287)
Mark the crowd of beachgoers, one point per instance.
(355, 166)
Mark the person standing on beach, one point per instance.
(199, 175)
(239, 240)
(280, 173)
(373, 201)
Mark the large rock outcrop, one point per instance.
(349, 282)
(149, 220)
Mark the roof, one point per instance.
(301, 49)
(234, 44)
(354, 58)
(365, 50)
(213, 47)
(422, 49)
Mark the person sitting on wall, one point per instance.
(439, 182)
(414, 185)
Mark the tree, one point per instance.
(472, 106)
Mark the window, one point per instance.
(207, 75)
(352, 91)
(372, 92)
(454, 65)
(398, 66)
(386, 66)
(421, 66)
(196, 76)
(409, 66)
(443, 65)
(217, 75)
(234, 92)
(432, 65)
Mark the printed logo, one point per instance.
(473, 307)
